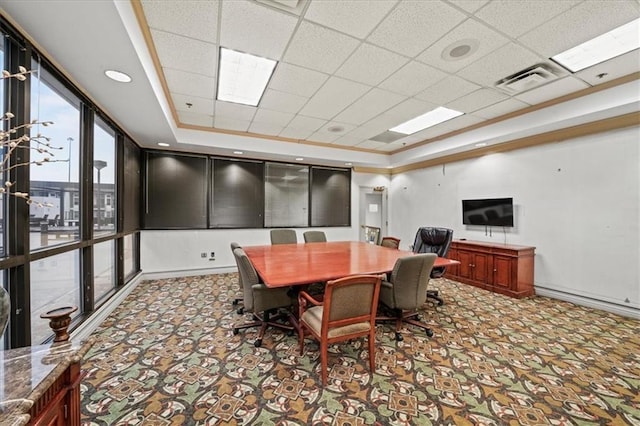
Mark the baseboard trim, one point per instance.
(84, 330)
(588, 302)
(158, 275)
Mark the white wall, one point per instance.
(179, 250)
(577, 202)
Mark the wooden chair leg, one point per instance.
(372, 351)
(324, 349)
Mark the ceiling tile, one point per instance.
(446, 90)
(356, 18)
(235, 111)
(295, 133)
(186, 54)
(264, 115)
(370, 105)
(469, 5)
(269, 33)
(501, 108)
(231, 124)
(198, 105)
(319, 48)
(460, 122)
(370, 65)
(613, 68)
(368, 130)
(187, 83)
(553, 90)
(517, 17)
(333, 97)
(414, 25)
(407, 110)
(412, 78)
(270, 129)
(579, 24)
(476, 100)
(499, 64)
(205, 120)
(198, 21)
(370, 144)
(306, 123)
(347, 140)
(296, 80)
(280, 101)
(471, 33)
(325, 133)
(295, 7)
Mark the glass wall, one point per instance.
(286, 195)
(2, 197)
(54, 214)
(104, 167)
(130, 255)
(104, 270)
(55, 283)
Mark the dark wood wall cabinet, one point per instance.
(501, 268)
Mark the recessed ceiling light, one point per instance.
(238, 152)
(479, 144)
(163, 144)
(606, 46)
(460, 49)
(299, 159)
(335, 129)
(348, 164)
(242, 77)
(118, 76)
(431, 118)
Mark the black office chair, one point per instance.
(438, 241)
(237, 300)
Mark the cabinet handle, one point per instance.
(495, 270)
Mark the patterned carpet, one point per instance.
(167, 356)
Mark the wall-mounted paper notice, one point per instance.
(373, 208)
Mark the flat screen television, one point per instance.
(488, 212)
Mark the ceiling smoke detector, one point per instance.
(460, 49)
(530, 78)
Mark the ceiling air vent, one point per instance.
(527, 79)
(388, 136)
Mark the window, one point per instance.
(133, 186)
(104, 182)
(330, 197)
(237, 200)
(130, 255)
(286, 193)
(104, 271)
(2, 197)
(54, 184)
(176, 191)
(55, 282)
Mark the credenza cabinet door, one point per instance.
(481, 268)
(503, 268)
(465, 269)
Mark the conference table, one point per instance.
(285, 265)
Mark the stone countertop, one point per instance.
(26, 373)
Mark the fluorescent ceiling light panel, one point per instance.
(606, 46)
(433, 117)
(243, 77)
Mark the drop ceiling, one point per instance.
(347, 71)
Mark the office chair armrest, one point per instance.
(386, 284)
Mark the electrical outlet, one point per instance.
(213, 254)
(203, 255)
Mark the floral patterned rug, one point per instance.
(167, 356)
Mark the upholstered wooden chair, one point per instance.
(405, 291)
(283, 236)
(348, 311)
(260, 300)
(314, 237)
(237, 300)
(391, 242)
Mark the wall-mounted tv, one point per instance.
(488, 212)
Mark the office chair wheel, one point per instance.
(257, 343)
(240, 311)
(399, 337)
(440, 302)
(429, 332)
(235, 331)
(234, 302)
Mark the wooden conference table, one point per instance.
(284, 265)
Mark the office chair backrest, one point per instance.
(410, 278)
(314, 237)
(433, 240)
(391, 242)
(283, 236)
(248, 277)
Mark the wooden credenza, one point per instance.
(502, 268)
